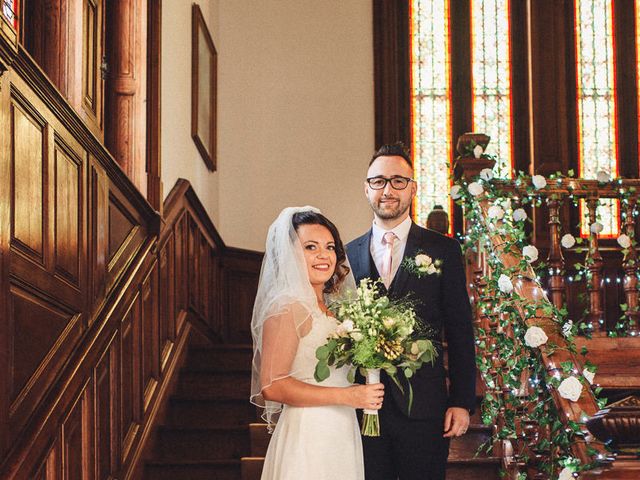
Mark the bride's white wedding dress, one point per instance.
(315, 443)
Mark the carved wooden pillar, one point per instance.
(555, 258)
(629, 264)
(594, 265)
(126, 87)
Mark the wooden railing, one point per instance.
(521, 449)
(98, 293)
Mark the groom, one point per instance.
(415, 445)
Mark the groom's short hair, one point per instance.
(393, 150)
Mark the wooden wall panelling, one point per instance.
(92, 51)
(77, 434)
(130, 379)
(166, 298)
(49, 467)
(106, 393)
(150, 336)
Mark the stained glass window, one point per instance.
(491, 76)
(431, 105)
(9, 8)
(596, 99)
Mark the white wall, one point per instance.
(295, 111)
(180, 157)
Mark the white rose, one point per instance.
(566, 474)
(570, 388)
(624, 241)
(531, 253)
(539, 181)
(348, 325)
(423, 260)
(603, 177)
(455, 192)
(568, 240)
(535, 337)
(589, 375)
(566, 328)
(495, 211)
(357, 336)
(596, 227)
(431, 269)
(519, 214)
(486, 174)
(475, 189)
(477, 151)
(504, 284)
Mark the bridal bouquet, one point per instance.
(375, 333)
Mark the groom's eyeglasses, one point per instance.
(397, 183)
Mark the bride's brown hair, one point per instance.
(341, 271)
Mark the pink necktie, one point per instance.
(387, 259)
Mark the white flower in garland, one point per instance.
(596, 227)
(589, 375)
(568, 240)
(567, 329)
(570, 388)
(495, 212)
(519, 215)
(531, 253)
(478, 151)
(475, 189)
(539, 181)
(535, 336)
(456, 192)
(486, 174)
(566, 474)
(603, 176)
(624, 241)
(504, 284)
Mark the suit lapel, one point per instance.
(398, 285)
(364, 256)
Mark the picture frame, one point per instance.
(204, 84)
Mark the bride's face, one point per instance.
(319, 252)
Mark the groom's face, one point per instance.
(389, 203)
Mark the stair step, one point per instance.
(468, 469)
(209, 385)
(462, 448)
(487, 468)
(202, 444)
(221, 357)
(190, 412)
(212, 470)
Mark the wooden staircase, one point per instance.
(206, 429)
(212, 432)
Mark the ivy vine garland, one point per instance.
(519, 352)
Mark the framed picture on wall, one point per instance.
(204, 70)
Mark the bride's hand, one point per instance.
(365, 396)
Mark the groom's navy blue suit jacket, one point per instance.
(443, 304)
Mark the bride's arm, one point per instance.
(280, 338)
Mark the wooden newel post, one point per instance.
(467, 165)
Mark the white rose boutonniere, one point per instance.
(422, 265)
(570, 388)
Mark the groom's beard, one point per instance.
(390, 210)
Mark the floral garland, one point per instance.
(519, 352)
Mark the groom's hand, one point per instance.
(456, 422)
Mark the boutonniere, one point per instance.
(422, 265)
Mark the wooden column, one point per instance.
(126, 87)
(629, 264)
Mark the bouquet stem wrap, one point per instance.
(370, 419)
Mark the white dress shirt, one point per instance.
(377, 248)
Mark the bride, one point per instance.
(317, 435)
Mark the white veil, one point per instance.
(284, 308)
